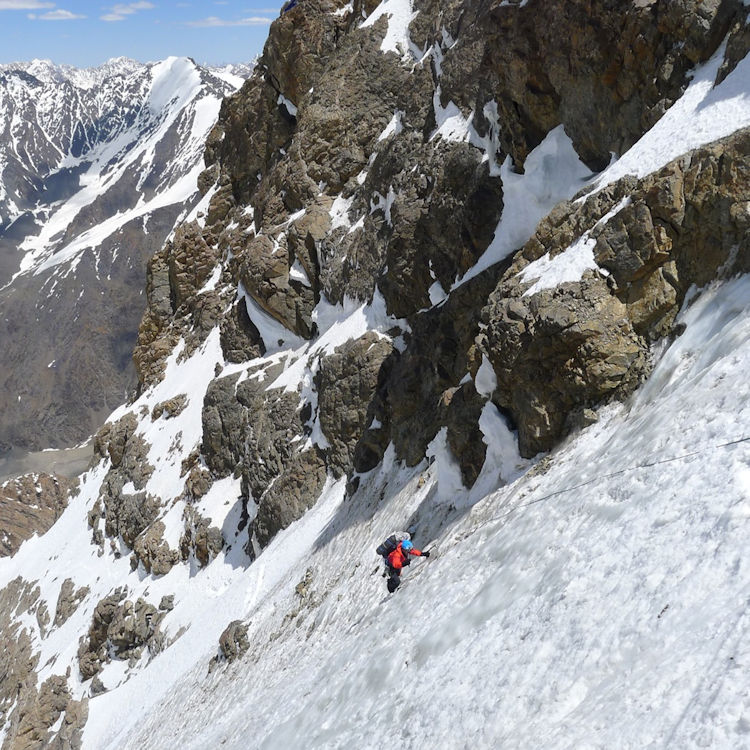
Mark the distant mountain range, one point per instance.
(96, 167)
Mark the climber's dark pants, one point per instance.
(394, 579)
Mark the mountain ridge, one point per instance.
(96, 169)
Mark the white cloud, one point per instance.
(121, 11)
(55, 15)
(24, 5)
(213, 21)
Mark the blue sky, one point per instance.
(88, 33)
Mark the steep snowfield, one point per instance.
(600, 604)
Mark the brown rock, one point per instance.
(201, 540)
(171, 407)
(346, 384)
(294, 492)
(152, 550)
(233, 641)
(30, 505)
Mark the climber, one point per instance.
(287, 6)
(398, 559)
(390, 544)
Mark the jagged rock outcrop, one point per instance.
(150, 549)
(33, 721)
(304, 207)
(240, 339)
(68, 601)
(18, 662)
(257, 433)
(119, 629)
(346, 384)
(249, 429)
(31, 714)
(155, 340)
(30, 505)
(201, 541)
(171, 407)
(233, 641)
(558, 351)
(419, 393)
(294, 492)
(126, 512)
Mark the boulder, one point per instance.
(200, 541)
(150, 549)
(171, 407)
(119, 629)
(233, 642)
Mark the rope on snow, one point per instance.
(612, 474)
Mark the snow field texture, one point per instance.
(609, 615)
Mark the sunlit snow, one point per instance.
(552, 172)
(601, 604)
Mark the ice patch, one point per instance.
(394, 127)
(339, 212)
(297, 273)
(571, 264)
(553, 172)
(485, 381)
(451, 124)
(290, 107)
(399, 14)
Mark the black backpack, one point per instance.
(387, 546)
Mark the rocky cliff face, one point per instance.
(402, 239)
(369, 159)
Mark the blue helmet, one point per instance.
(406, 545)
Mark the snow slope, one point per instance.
(601, 602)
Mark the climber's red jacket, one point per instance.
(398, 558)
